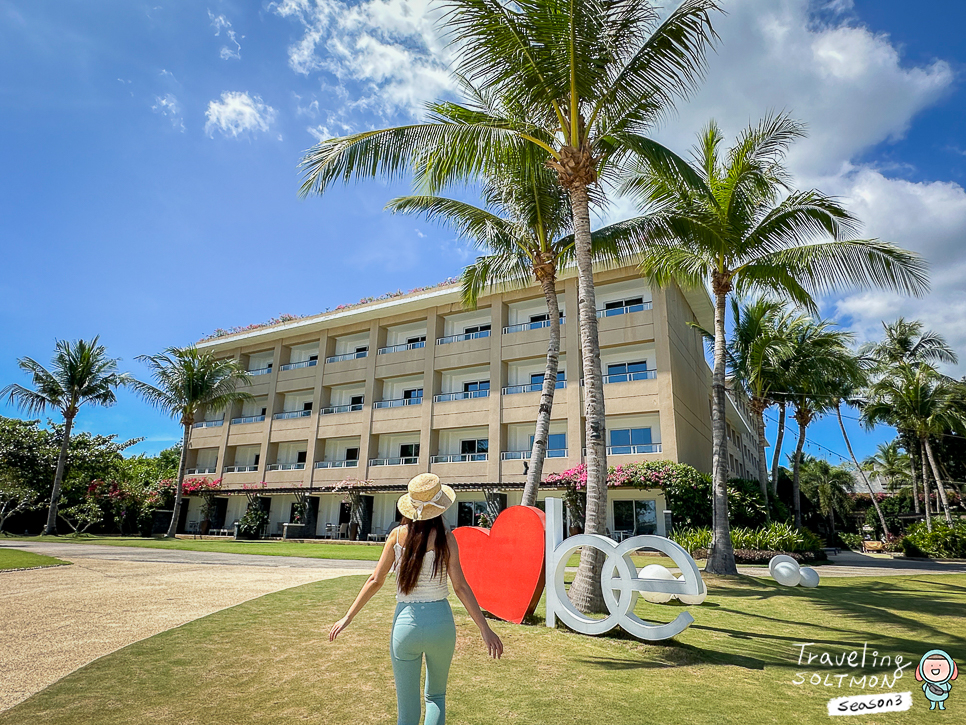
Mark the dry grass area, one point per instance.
(268, 660)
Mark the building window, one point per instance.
(622, 372)
(300, 457)
(556, 445)
(357, 400)
(476, 386)
(409, 450)
(622, 441)
(474, 446)
(637, 517)
(352, 454)
(475, 329)
(412, 394)
(536, 379)
(415, 340)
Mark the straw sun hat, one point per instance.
(427, 498)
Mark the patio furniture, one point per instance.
(330, 531)
(344, 531)
(869, 547)
(376, 535)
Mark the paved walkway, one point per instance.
(55, 620)
(852, 563)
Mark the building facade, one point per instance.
(383, 391)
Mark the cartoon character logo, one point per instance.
(935, 671)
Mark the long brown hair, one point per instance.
(417, 541)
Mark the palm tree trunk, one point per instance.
(758, 406)
(915, 478)
(796, 474)
(925, 485)
(776, 459)
(51, 528)
(848, 444)
(585, 592)
(721, 558)
(539, 452)
(173, 526)
(939, 482)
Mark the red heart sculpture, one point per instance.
(505, 564)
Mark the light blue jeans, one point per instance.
(422, 628)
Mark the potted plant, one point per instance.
(351, 490)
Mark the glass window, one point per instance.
(409, 450)
(468, 512)
(556, 445)
(352, 454)
(475, 328)
(637, 517)
(537, 378)
(411, 394)
(479, 445)
(473, 387)
(627, 437)
(357, 399)
(414, 340)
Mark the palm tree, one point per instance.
(187, 381)
(828, 487)
(892, 466)
(80, 373)
(905, 341)
(525, 226)
(760, 342)
(570, 84)
(734, 223)
(921, 400)
(820, 362)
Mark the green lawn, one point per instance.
(16, 559)
(268, 660)
(311, 550)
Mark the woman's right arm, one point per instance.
(494, 644)
(373, 584)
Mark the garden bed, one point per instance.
(763, 556)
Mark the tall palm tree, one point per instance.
(80, 373)
(525, 226)
(188, 380)
(828, 487)
(892, 466)
(573, 84)
(820, 362)
(760, 343)
(921, 400)
(734, 222)
(905, 341)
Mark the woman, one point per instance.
(423, 552)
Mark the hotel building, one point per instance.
(385, 390)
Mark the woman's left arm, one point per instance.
(373, 584)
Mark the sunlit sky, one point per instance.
(149, 150)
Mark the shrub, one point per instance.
(253, 523)
(775, 537)
(943, 542)
(853, 541)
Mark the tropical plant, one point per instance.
(15, 498)
(525, 228)
(80, 373)
(81, 516)
(942, 541)
(574, 85)
(905, 341)
(188, 381)
(734, 222)
(828, 487)
(773, 537)
(921, 400)
(891, 465)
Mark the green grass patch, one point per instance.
(269, 660)
(16, 559)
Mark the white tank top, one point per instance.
(428, 588)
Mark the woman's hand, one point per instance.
(494, 644)
(339, 626)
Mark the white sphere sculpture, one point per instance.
(778, 559)
(786, 574)
(656, 571)
(694, 598)
(810, 577)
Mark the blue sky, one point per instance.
(149, 154)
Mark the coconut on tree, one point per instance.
(735, 223)
(80, 373)
(577, 86)
(188, 381)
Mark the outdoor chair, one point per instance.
(376, 535)
(344, 531)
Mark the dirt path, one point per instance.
(54, 620)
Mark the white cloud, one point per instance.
(219, 23)
(238, 114)
(169, 107)
(391, 47)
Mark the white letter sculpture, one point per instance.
(620, 593)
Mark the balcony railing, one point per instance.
(197, 471)
(261, 371)
(525, 455)
(463, 395)
(533, 387)
(297, 365)
(240, 469)
(336, 464)
(347, 356)
(397, 402)
(460, 458)
(400, 348)
(403, 461)
(340, 409)
(285, 415)
(461, 338)
(637, 450)
(248, 419)
(624, 377)
(613, 311)
(286, 466)
(209, 423)
(529, 326)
